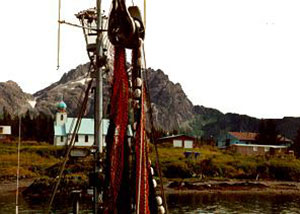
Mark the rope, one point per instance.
(142, 166)
(139, 176)
(152, 131)
(18, 167)
(80, 98)
(58, 34)
(145, 5)
(72, 142)
(142, 206)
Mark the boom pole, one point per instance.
(98, 103)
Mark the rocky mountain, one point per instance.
(171, 107)
(69, 88)
(13, 99)
(172, 110)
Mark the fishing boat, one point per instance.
(124, 177)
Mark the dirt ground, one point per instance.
(11, 186)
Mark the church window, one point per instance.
(61, 138)
(61, 117)
(76, 138)
(86, 138)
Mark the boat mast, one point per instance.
(98, 103)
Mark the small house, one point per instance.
(255, 149)
(245, 138)
(178, 141)
(246, 143)
(237, 138)
(5, 131)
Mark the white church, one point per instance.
(64, 126)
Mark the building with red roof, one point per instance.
(247, 143)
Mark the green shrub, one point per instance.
(177, 169)
(285, 170)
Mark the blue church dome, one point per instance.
(61, 105)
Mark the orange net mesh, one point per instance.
(119, 117)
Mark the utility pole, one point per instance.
(98, 104)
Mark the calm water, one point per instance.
(233, 203)
(179, 204)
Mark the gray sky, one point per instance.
(239, 56)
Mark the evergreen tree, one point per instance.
(6, 118)
(28, 127)
(50, 130)
(15, 127)
(296, 145)
(39, 127)
(267, 133)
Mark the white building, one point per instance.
(178, 141)
(64, 127)
(4, 131)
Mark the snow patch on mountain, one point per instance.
(32, 103)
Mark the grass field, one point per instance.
(35, 158)
(41, 160)
(213, 163)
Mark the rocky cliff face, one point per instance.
(171, 107)
(13, 99)
(69, 88)
(172, 110)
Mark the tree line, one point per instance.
(268, 134)
(33, 127)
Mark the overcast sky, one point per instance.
(239, 56)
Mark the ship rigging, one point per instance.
(123, 175)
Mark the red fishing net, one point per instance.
(119, 115)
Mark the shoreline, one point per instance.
(235, 187)
(234, 192)
(207, 187)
